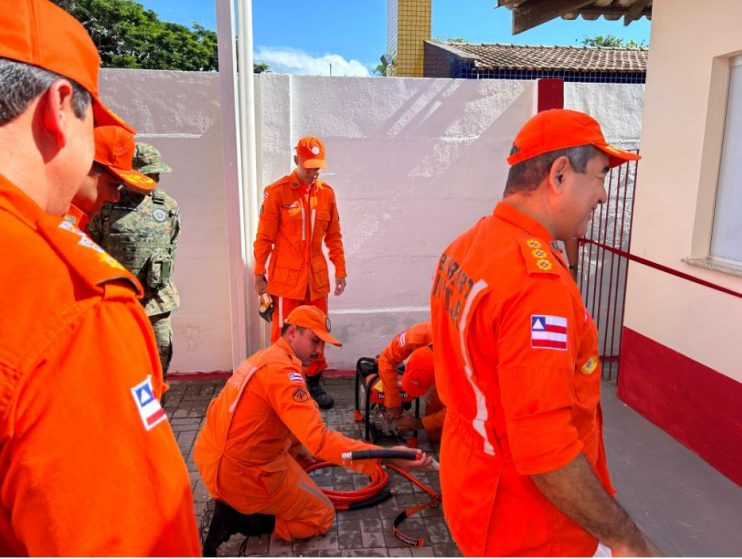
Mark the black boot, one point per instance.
(226, 521)
(320, 395)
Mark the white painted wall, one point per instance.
(681, 140)
(178, 112)
(414, 162)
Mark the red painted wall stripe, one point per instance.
(696, 405)
(550, 94)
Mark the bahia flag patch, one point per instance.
(548, 332)
(148, 406)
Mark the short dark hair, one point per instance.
(527, 175)
(285, 328)
(21, 83)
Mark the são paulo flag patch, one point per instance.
(548, 332)
(148, 406)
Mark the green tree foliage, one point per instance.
(612, 41)
(129, 36)
(260, 67)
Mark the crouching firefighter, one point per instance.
(262, 420)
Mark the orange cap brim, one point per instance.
(103, 116)
(617, 156)
(134, 180)
(327, 337)
(314, 163)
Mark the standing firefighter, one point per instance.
(141, 231)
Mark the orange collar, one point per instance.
(19, 203)
(284, 345)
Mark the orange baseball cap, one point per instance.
(311, 152)
(314, 319)
(114, 148)
(42, 34)
(561, 129)
(419, 374)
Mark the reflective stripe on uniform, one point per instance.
(481, 401)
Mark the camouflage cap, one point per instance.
(147, 160)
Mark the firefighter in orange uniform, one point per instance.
(262, 420)
(88, 463)
(523, 468)
(114, 149)
(417, 380)
(299, 212)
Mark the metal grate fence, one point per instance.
(602, 277)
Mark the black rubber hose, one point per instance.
(383, 453)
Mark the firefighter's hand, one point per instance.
(394, 413)
(339, 286)
(422, 462)
(261, 284)
(408, 423)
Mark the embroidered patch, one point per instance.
(544, 264)
(159, 215)
(548, 332)
(148, 406)
(590, 365)
(300, 395)
(296, 377)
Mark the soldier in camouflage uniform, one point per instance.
(141, 231)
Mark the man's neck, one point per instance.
(23, 162)
(532, 205)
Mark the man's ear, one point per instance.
(557, 172)
(56, 110)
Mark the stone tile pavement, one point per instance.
(361, 533)
(682, 503)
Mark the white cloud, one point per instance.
(284, 60)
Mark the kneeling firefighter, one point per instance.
(263, 419)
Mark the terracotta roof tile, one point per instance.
(585, 59)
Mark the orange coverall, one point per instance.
(400, 348)
(418, 380)
(88, 463)
(517, 366)
(245, 450)
(294, 221)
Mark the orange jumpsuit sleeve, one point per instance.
(334, 241)
(300, 414)
(537, 349)
(399, 349)
(268, 225)
(80, 472)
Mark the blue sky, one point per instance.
(302, 37)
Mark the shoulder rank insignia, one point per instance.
(537, 257)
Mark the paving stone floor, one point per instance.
(680, 501)
(361, 533)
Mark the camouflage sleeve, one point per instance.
(176, 228)
(94, 229)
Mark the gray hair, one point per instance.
(21, 83)
(527, 175)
